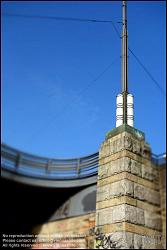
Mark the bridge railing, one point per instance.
(46, 168)
(159, 159)
(41, 167)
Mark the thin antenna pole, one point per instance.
(124, 61)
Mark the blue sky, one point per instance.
(52, 102)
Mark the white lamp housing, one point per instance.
(130, 110)
(119, 110)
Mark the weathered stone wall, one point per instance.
(128, 200)
(162, 181)
(73, 233)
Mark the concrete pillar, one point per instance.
(128, 200)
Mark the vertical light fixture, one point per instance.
(125, 111)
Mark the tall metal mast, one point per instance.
(125, 107)
(124, 61)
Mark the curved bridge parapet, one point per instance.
(44, 171)
(47, 172)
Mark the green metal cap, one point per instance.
(126, 128)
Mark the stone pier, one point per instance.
(128, 213)
(162, 182)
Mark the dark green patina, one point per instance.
(126, 128)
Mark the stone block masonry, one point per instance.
(128, 198)
(162, 182)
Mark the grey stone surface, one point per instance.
(146, 151)
(163, 198)
(128, 143)
(153, 220)
(116, 189)
(134, 215)
(140, 216)
(123, 164)
(143, 193)
(123, 187)
(149, 173)
(123, 240)
(103, 193)
(137, 149)
(103, 171)
(127, 162)
(118, 213)
(139, 191)
(147, 242)
(105, 216)
(126, 240)
(136, 168)
(116, 166)
(153, 242)
(117, 240)
(125, 141)
(121, 213)
(128, 213)
(115, 145)
(137, 241)
(152, 196)
(107, 150)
